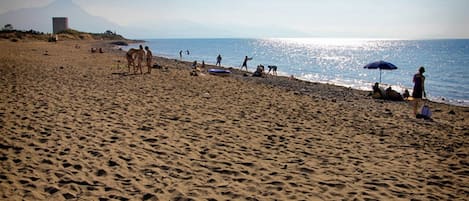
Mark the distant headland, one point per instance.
(69, 34)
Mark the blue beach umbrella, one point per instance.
(381, 65)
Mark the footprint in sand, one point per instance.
(51, 190)
(101, 173)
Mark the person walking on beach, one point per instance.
(419, 89)
(245, 63)
(149, 58)
(180, 54)
(218, 60)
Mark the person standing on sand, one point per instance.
(218, 60)
(149, 58)
(140, 56)
(419, 89)
(245, 63)
(180, 54)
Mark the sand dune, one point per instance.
(76, 126)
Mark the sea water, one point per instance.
(340, 61)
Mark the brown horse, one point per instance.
(130, 55)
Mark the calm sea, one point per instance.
(341, 61)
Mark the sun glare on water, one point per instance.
(334, 43)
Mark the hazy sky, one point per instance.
(285, 18)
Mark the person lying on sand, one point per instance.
(393, 95)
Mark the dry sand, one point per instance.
(74, 126)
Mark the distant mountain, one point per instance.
(40, 19)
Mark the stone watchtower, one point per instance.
(59, 24)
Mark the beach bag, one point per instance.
(426, 112)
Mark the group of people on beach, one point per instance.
(139, 55)
(260, 68)
(180, 53)
(260, 71)
(388, 94)
(244, 65)
(418, 94)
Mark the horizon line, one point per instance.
(306, 37)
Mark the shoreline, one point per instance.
(76, 125)
(359, 83)
(238, 72)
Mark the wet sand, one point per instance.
(76, 126)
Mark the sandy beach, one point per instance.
(75, 126)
